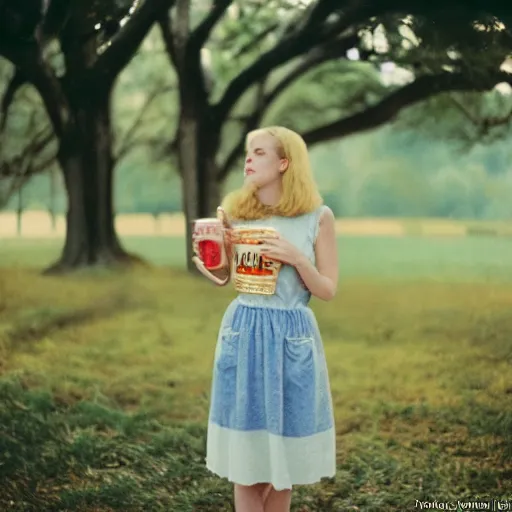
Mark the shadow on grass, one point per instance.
(38, 323)
(90, 457)
(87, 456)
(35, 323)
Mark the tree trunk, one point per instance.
(87, 164)
(200, 188)
(19, 212)
(53, 192)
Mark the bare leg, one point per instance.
(278, 501)
(249, 498)
(266, 493)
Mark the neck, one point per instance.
(270, 194)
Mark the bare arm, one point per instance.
(322, 279)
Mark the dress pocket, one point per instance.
(228, 356)
(300, 349)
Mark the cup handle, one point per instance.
(209, 275)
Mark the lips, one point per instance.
(249, 171)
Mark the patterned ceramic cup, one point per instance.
(208, 243)
(252, 272)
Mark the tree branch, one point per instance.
(16, 82)
(42, 166)
(493, 122)
(180, 32)
(165, 22)
(484, 124)
(40, 145)
(286, 51)
(387, 109)
(250, 123)
(124, 45)
(26, 171)
(310, 35)
(29, 59)
(128, 142)
(315, 29)
(314, 58)
(202, 32)
(247, 47)
(465, 111)
(22, 167)
(320, 11)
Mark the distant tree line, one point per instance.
(386, 173)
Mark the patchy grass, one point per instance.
(106, 379)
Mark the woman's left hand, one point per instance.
(281, 250)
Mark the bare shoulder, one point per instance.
(326, 227)
(326, 246)
(327, 216)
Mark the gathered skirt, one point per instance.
(271, 416)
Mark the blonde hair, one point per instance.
(300, 192)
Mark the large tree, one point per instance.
(261, 49)
(94, 40)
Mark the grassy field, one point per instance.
(106, 376)
(434, 258)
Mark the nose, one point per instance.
(248, 159)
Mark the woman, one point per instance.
(271, 422)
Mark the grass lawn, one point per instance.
(435, 259)
(106, 378)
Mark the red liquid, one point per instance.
(210, 253)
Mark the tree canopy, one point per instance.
(326, 68)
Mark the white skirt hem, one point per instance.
(277, 486)
(251, 457)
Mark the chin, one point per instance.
(251, 180)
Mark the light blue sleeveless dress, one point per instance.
(271, 415)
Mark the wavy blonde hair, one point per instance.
(300, 192)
